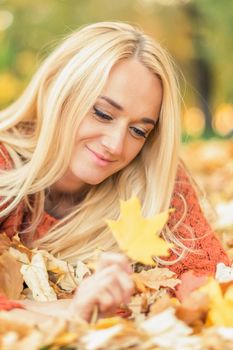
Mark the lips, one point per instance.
(99, 158)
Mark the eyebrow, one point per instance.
(120, 108)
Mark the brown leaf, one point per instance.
(139, 283)
(11, 279)
(162, 304)
(5, 242)
(61, 294)
(158, 277)
(17, 244)
(193, 311)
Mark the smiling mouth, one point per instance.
(98, 158)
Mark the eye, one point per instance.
(101, 115)
(138, 132)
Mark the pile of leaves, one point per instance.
(153, 320)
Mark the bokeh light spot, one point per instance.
(223, 119)
(193, 121)
(6, 19)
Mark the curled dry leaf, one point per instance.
(60, 293)
(140, 304)
(64, 271)
(163, 303)
(36, 277)
(19, 256)
(81, 271)
(136, 305)
(11, 280)
(17, 244)
(155, 278)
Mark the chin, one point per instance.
(91, 181)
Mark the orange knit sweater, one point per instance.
(208, 250)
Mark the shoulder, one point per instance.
(185, 194)
(190, 226)
(186, 202)
(184, 180)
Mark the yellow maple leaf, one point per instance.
(221, 305)
(137, 236)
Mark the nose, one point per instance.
(114, 141)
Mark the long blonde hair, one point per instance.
(59, 96)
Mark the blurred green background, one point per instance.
(198, 33)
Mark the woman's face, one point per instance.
(116, 128)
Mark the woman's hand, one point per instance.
(110, 286)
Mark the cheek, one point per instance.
(86, 129)
(82, 132)
(132, 151)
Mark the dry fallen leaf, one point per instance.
(11, 280)
(138, 236)
(224, 273)
(17, 244)
(8, 323)
(219, 338)
(19, 256)
(96, 339)
(66, 278)
(5, 242)
(163, 303)
(193, 311)
(36, 277)
(156, 278)
(170, 333)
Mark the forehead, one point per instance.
(135, 88)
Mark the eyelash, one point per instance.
(105, 117)
(101, 114)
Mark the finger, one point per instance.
(85, 298)
(120, 283)
(116, 292)
(108, 259)
(126, 285)
(105, 301)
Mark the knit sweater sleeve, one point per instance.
(191, 227)
(10, 223)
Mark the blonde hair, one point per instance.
(58, 97)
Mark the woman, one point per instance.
(98, 122)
